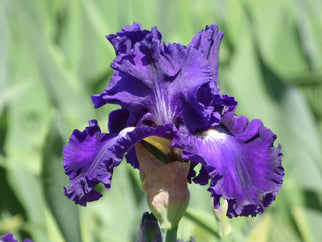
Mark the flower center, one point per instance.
(163, 146)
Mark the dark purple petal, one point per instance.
(198, 117)
(202, 177)
(154, 77)
(242, 163)
(120, 119)
(8, 238)
(125, 40)
(132, 159)
(205, 110)
(208, 42)
(84, 171)
(90, 157)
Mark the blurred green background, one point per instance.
(54, 56)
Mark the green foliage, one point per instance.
(54, 56)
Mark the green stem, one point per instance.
(169, 235)
(196, 219)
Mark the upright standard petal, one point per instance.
(242, 163)
(171, 82)
(124, 40)
(151, 77)
(90, 157)
(154, 78)
(208, 42)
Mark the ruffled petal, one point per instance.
(90, 157)
(154, 77)
(242, 163)
(208, 42)
(124, 40)
(8, 238)
(132, 159)
(82, 167)
(120, 119)
(205, 110)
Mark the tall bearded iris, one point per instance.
(169, 99)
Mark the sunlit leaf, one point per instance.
(262, 230)
(65, 211)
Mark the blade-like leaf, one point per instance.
(64, 211)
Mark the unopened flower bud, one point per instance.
(166, 187)
(149, 229)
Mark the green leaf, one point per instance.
(61, 84)
(4, 40)
(9, 205)
(3, 130)
(275, 30)
(201, 219)
(309, 223)
(309, 23)
(115, 215)
(29, 192)
(261, 231)
(283, 230)
(65, 211)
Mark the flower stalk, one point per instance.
(222, 220)
(169, 235)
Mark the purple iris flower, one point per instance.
(171, 91)
(9, 238)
